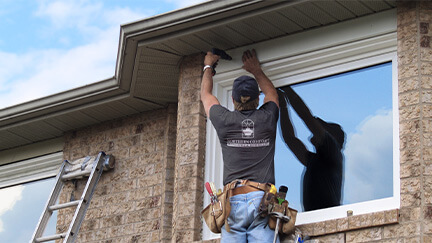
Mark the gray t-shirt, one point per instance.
(248, 142)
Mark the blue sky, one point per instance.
(49, 46)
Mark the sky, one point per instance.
(49, 46)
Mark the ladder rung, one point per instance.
(64, 205)
(76, 174)
(51, 237)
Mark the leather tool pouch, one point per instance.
(285, 227)
(214, 214)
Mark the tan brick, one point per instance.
(143, 215)
(427, 153)
(116, 198)
(410, 98)
(407, 57)
(334, 238)
(142, 149)
(410, 199)
(147, 226)
(146, 203)
(184, 236)
(426, 82)
(407, 155)
(342, 224)
(405, 17)
(149, 180)
(407, 31)
(364, 235)
(410, 185)
(410, 214)
(121, 230)
(410, 169)
(189, 97)
(426, 68)
(408, 71)
(409, 127)
(151, 158)
(112, 220)
(144, 170)
(409, 141)
(428, 168)
(125, 185)
(330, 226)
(408, 84)
(141, 193)
(408, 44)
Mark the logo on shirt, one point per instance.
(247, 128)
(248, 133)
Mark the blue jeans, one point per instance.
(245, 224)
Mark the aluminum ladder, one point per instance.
(91, 167)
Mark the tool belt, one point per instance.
(217, 212)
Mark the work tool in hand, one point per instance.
(222, 54)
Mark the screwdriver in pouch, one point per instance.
(210, 191)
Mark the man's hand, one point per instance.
(252, 65)
(251, 62)
(211, 59)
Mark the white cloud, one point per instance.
(9, 197)
(69, 13)
(368, 160)
(38, 73)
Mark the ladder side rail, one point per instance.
(46, 214)
(82, 207)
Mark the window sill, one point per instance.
(351, 223)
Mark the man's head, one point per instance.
(245, 93)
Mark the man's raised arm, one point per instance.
(252, 65)
(207, 97)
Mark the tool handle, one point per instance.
(209, 190)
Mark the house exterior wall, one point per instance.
(155, 192)
(133, 202)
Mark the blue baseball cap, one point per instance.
(245, 86)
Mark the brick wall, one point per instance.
(133, 202)
(190, 153)
(415, 109)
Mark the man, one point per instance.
(323, 175)
(247, 136)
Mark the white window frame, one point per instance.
(311, 55)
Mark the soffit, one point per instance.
(155, 73)
(147, 72)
